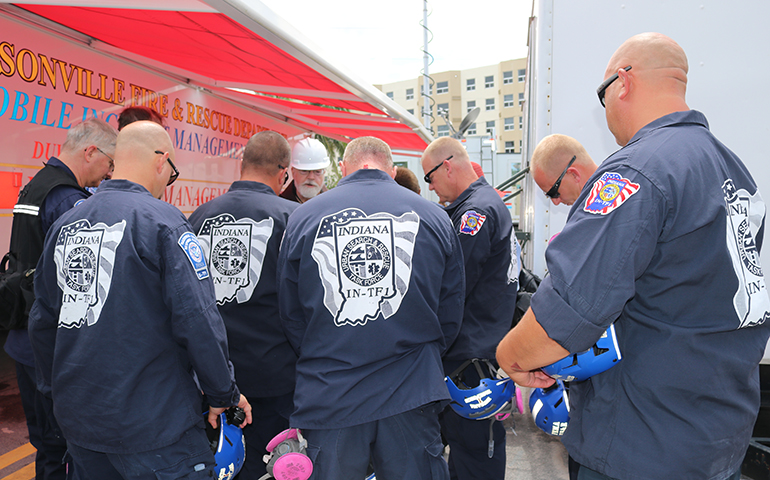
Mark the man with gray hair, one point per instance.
(85, 160)
(370, 296)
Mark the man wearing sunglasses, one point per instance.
(240, 233)
(561, 167)
(491, 256)
(124, 315)
(666, 245)
(85, 160)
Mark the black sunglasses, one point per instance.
(607, 83)
(427, 175)
(554, 191)
(174, 175)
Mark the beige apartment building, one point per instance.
(498, 90)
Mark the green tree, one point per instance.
(335, 149)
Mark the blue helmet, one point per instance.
(577, 367)
(228, 445)
(550, 408)
(480, 402)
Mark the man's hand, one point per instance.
(533, 378)
(243, 403)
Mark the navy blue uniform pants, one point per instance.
(468, 442)
(406, 446)
(270, 417)
(189, 458)
(585, 473)
(44, 433)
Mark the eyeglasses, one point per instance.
(427, 175)
(307, 173)
(554, 191)
(285, 173)
(607, 83)
(174, 175)
(112, 161)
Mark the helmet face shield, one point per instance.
(577, 367)
(477, 393)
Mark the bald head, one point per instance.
(551, 157)
(451, 172)
(367, 153)
(136, 160)
(653, 87)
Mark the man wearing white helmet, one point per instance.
(309, 160)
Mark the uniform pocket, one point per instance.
(439, 470)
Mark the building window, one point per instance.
(521, 123)
(508, 124)
(410, 93)
(471, 105)
(471, 130)
(442, 87)
(507, 77)
(491, 127)
(442, 106)
(508, 101)
(470, 84)
(521, 144)
(390, 95)
(521, 100)
(443, 131)
(490, 105)
(509, 147)
(522, 73)
(489, 81)
(411, 111)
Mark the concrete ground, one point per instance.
(531, 454)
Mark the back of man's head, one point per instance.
(264, 152)
(137, 113)
(90, 132)
(554, 152)
(141, 155)
(367, 153)
(407, 178)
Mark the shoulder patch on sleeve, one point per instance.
(471, 222)
(609, 193)
(192, 249)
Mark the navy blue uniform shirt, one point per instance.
(240, 233)
(124, 315)
(371, 294)
(664, 241)
(491, 256)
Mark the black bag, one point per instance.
(528, 283)
(16, 296)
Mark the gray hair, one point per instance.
(368, 149)
(90, 132)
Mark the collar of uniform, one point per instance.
(251, 185)
(676, 118)
(478, 183)
(123, 186)
(55, 162)
(365, 174)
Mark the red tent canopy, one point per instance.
(224, 45)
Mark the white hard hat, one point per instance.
(309, 154)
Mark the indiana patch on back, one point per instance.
(85, 262)
(471, 222)
(365, 263)
(609, 193)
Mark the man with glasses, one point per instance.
(561, 167)
(308, 169)
(85, 160)
(491, 256)
(240, 233)
(370, 296)
(125, 328)
(666, 245)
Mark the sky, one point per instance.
(381, 41)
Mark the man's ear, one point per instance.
(626, 83)
(393, 173)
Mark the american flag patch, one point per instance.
(608, 193)
(471, 222)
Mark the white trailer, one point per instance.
(570, 43)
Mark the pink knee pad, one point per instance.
(287, 459)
